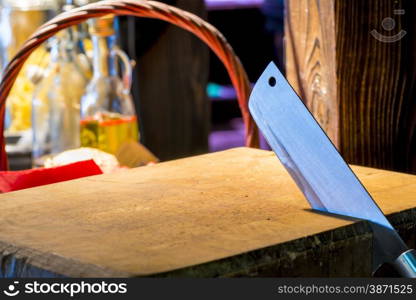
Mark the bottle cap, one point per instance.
(103, 26)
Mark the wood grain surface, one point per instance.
(310, 57)
(232, 213)
(172, 75)
(360, 88)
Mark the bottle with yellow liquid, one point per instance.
(18, 20)
(108, 117)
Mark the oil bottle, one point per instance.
(108, 117)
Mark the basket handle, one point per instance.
(138, 8)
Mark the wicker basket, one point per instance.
(139, 8)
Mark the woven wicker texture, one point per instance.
(139, 8)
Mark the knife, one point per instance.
(325, 179)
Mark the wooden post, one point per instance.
(353, 63)
(172, 74)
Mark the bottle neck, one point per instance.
(62, 47)
(104, 60)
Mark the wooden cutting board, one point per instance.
(232, 213)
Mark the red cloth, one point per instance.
(18, 180)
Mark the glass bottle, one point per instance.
(56, 103)
(18, 20)
(108, 117)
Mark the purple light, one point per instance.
(232, 4)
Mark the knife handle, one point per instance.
(405, 264)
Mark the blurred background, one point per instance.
(113, 81)
(181, 93)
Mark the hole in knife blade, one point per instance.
(272, 81)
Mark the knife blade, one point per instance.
(325, 179)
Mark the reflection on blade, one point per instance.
(307, 153)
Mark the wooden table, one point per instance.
(232, 213)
